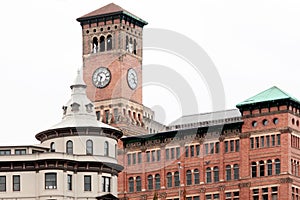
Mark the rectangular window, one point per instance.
(257, 142)
(192, 149)
(237, 145)
(158, 155)
(206, 149)
(134, 158)
(177, 152)
(216, 196)
(172, 153)
(50, 181)
(186, 151)
(265, 194)
(268, 140)
(212, 148)
(196, 198)
(217, 147)
(148, 156)
(128, 159)
(20, 151)
(69, 177)
(105, 184)
(255, 194)
(278, 139)
(16, 183)
(226, 146)
(5, 152)
(208, 197)
(197, 150)
(231, 145)
(153, 156)
(116, 114)
(251, 143)
(273, 140)
(98, 115)
(106, 116)
(167, 154)
(139, 157)
(262, 141)
(87, 183)
(2, 183)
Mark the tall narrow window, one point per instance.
(148, 156)
(192, 149)
(188, 177)
(109, 43)
(228, 172)
(128, 159)
(176, 179)
(69, 181)
(116, 150)
(127, 43)
(16, 183)
(52, 147)
(167, 154)
(177, 152)
(216, 174)
(206, 149)
(208, 175)
(226, 146)
(196, 176)
(158, 155)
(150, 182)
(237, 145)
(212, 148)
(153, 156)
(95, 45)
(169, 179)
(89, 147)
(134, 46)
(102, 43)
(138, 184)
(139, 157)
(105, 184)
(268, 141)
(186, 151)
(69, 149)
(106, 148)
(217, 147)
(261, 168)
(231, 145)
(131, 184)
(236, 174)
(257, 142)
(269, 165)
(197, 150)
(262, 141)
(87, 183)
(251, 143)
(277, 166)
(273, 140)
(134, 158)
(157, 181)
(253, 169)
(50, 181)
(2, 183)
(278, 139)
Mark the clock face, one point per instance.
(132, 78)
(101, 77)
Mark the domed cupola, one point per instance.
(79, 114)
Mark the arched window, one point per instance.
(196, 176)
(109, 42)
(131, 184)
(138, 184)
(102, 43)
(127, 43)
(253, 169)
(52, 147)
(188, 177)
(176, 179)
(134, 46)
(169, 179)
(208, 175)
(95, 45)
(130, 46)
(69, 147)
(157, 181)
(150, 182)
(89, 147)
(261, 168)
(269, 165)
(228, 172)
(236, 174)
(277, 166)
(106, 149)
(216, 174)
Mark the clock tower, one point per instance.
(112, 66)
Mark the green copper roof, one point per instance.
(272, 94)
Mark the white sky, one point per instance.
(254, 45)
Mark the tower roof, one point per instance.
(108, 11)
(270, 95)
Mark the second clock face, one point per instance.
(101, 77)
(132, 78)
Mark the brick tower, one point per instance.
(112, 66)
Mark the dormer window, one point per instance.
(89, 107)
(75, 107)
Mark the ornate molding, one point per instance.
(144, 197)
(202, 190)
(222, 138)
(286, 180)
(163, 195)
(245, 135)
(222, 188)
(242, 185)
